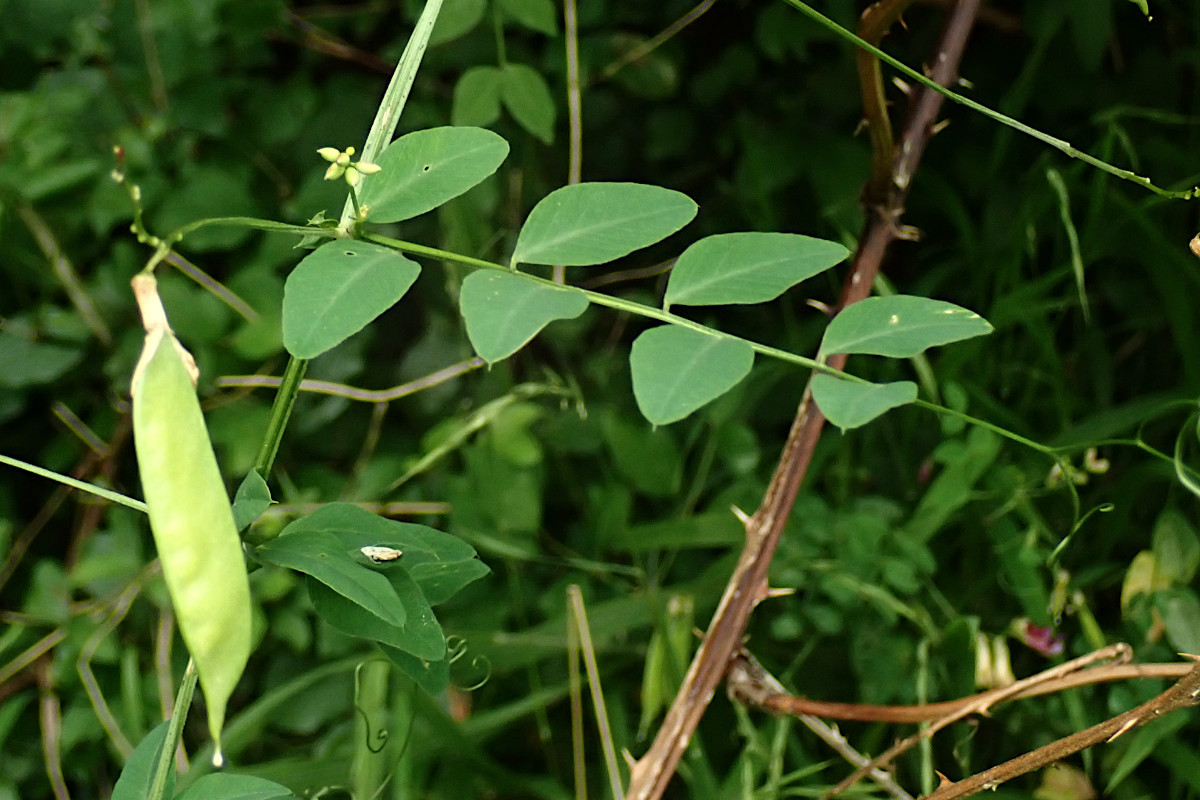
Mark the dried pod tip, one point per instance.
(145, 291)
(154, 320)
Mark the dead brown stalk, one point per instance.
(1184, 694)
(748, 689)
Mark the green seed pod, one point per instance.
(190, 514)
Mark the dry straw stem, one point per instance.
(748, 584)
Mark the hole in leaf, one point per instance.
(426, 169)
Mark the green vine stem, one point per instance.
(281, 410)
(665, 316)
(183, 701)
(378, 138)
(394, 98)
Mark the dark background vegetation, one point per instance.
(911, 535)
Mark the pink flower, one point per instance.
(1038, 637)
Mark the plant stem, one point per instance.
(269, 225)
(183, 701)
(612, 302)
(378, 138)
(648, 312)
(394, 98)
(372, 756)
(498, 32)
(358, 215)
(281, 410)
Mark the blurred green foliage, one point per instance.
(911, 535)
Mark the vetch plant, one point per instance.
(378, 580)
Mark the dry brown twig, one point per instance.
(1183, 694)
(980, 704)
(749, 683)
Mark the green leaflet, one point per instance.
(593, 223)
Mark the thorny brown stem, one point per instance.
(748, 689)
(749, 683)
(980, 705)
(1184, 694)
(748, 584)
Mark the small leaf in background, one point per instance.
(422, 170)
(59, 178)
(528, 99)
(747, 267)
(1141, 745)
(963, 460)
(336, 290)
(224, 786)
(667, 657)
(1064, 782)
(653, 74)
(512, 434)
(138, 772)
(432, 676)
(1176, 547)
(1144, 576)
(677, 370)
(323, 556)
(900, 326)
(476, 97)
(537, 15)
(456, 18)
(594, 223)
(252, 499)
(503, 311)
(25, 362)
(648, 458)
(848, 405)
(1180, 611)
